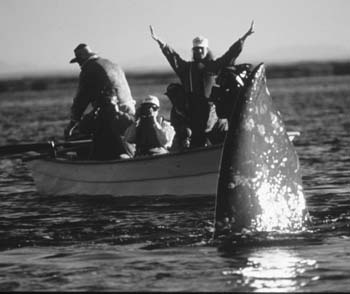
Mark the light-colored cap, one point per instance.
(200, 42)
(150, 99)
(83, 52)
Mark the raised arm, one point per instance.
(232, 53)
(155, 37)
(249, 32)
(174, 59)
(80, 103)
(81, 99)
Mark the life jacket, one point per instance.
(200, 80)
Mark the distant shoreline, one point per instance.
(275, 70)
(290, 70)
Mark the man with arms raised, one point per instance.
(197, 78)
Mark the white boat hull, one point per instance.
(194, 172)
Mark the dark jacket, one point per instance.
(198, 78)
(102, 83)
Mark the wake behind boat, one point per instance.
(191, 172)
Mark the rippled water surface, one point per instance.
(164, 243)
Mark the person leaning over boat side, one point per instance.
(152, 135)
(102, 84)
(198, 77)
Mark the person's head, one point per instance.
(200, 48)
(149, 106)
(176, 93)
(82, 53)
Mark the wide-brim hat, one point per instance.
(151, 100)
(83, 52)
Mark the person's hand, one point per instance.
(155, 37)
(222, 124)
(68, 131)
(154, 114)
(249, 32)
(161, 120)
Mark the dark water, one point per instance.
(164, 244)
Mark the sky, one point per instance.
(39, 36)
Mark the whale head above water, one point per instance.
(259, 185)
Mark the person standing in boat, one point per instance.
(198, 77)
(103, 85)
(150, 134)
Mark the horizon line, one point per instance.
(142, 70)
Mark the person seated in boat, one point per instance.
(152, 135)
(103, 85)
(198, 77)
(179, 117)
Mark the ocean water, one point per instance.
(72, 243)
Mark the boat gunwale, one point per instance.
(137, 180)
(134, 159)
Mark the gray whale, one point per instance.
(259, 186)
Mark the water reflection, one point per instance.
(274, 270)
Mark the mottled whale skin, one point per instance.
(259, 186)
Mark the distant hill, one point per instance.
(305, 69)
(301, 69)
(277, 70)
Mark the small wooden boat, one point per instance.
(192, 172)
